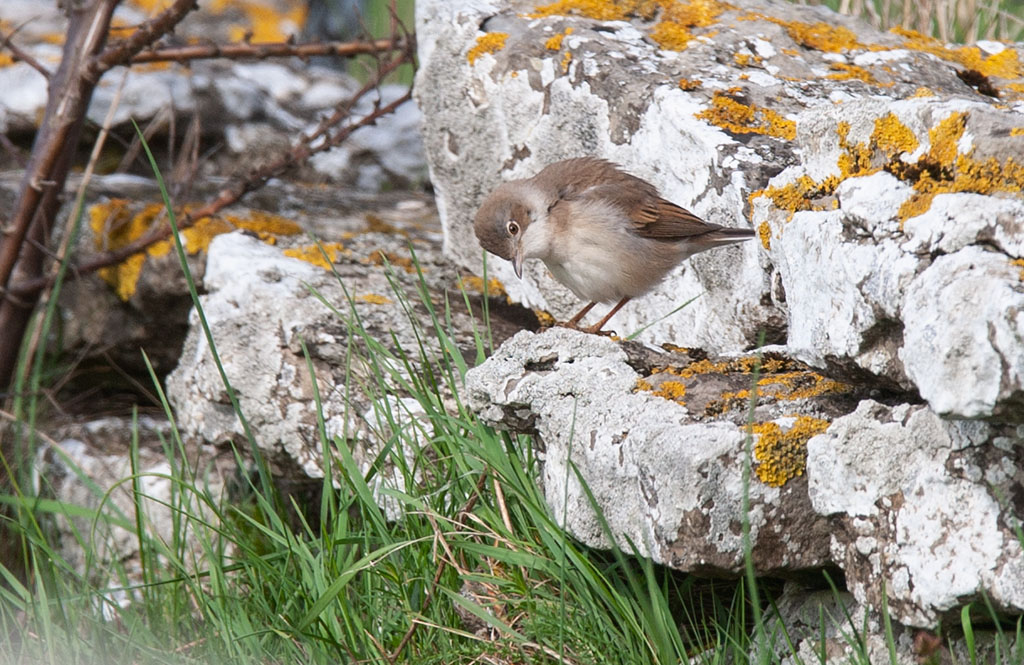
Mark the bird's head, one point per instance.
(502, 220)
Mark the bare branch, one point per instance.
(267, 50)
(19, 54)
(231, 195)
(122, 51)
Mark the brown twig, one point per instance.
(309, 146)
(71, 86)
(122, 51)
(268, 50)
(459, 519)
(19, 54)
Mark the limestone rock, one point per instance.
(861, 158)
(923, 508)
(665, 474)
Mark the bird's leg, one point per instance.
(596, 328)
(575, 320)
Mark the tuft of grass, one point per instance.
(960, 21)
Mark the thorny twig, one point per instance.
(319, 140)
(269, 50)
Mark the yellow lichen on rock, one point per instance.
(764, 232)
(818, 36)
(1005, 64)
(945, 169)
(672, 32)
(554, 43)
(671, 390)
(727, 113)
(495, 288)
(315, 254)
(781, 454)
(374, 299)
(892, 136)
(671, 36)
(116, 225)
(492, 42)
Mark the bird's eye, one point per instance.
(513, 228)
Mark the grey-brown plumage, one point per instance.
(605, 234)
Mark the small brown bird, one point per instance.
(605, 234)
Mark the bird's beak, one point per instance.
(517, 261)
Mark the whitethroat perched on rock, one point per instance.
(605, 234)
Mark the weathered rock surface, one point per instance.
(666, 474)
(262, 306)
(885, 186)
(882, 172)
(923, 508)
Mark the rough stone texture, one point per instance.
(87, 469)
(938, 526)
(861, 157)
(833, 629)
(882, 172)
(665, 476)
(262, 305)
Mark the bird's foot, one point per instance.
(590, 330)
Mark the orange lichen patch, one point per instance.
(923, 92)
(119, 222)
(1005, 64)
(782, 454)
(889, 140)
(764, 232)
(555, 42)
(744, 365)
(495, 289)
(315, 254)
(742, 59)
(730, 114)
(492, 42)
(544, 318)
(1017, 131)
(115, 224)
(945, 169)
(265, 22)
(6, 60)
(671, 36)
(690, 84)
(803, 384)
(892, 136)
(374, 299)
(844, 72)
(672, 32)
(382, 258)
(1020, 264)
(566, 61)
(602, 10)
(800, 194)
(265, 225)
(671, 390)
(817, 36)
(152, 6)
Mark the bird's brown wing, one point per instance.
(659, 219)
(651, 216)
